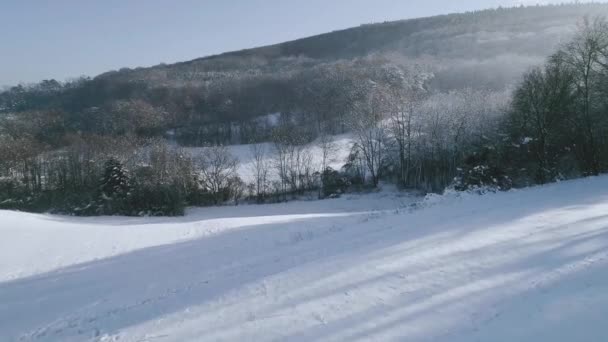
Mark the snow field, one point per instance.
(527, 265)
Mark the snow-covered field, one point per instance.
(341, 146)
(528, 265)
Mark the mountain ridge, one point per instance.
(308, 47)
(486, 50)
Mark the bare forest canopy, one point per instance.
(499, 98)
(200, 100)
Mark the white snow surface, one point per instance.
(527, 265)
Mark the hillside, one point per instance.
(201, 99)
(504, 41)
(425, 104)
(433, 179)
(527, 265)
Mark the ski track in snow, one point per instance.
(527, 265)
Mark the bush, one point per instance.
(333, 182)
(10, 188)
(237, 189)
(156, 200)
(478, 172)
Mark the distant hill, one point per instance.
(503, 42)
(202, 99)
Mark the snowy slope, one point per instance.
(528, 265)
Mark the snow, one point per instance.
(270, 120)
(527, 265)
(526, 140)
(342, 145)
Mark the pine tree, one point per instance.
(114, 187)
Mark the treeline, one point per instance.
(227, 110)
(97, 175)
(552, 126)
(406, 132)
(127, 175)
(557, 125)
(403, 132)
(223, 99)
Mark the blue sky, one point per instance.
(42, 39)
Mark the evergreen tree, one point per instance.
(114, 188)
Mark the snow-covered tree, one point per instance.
(114, 187)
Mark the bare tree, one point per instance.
(586, 54)
(217, 167)
(405, 100)
(539, 115)
(260, 167)
(370, 129)
(281, 161)
(236, 188)
(328, 153)
(293, 160)
(328, 150)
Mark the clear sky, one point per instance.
(42, 39)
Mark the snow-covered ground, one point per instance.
(340, 149)
(528, 265)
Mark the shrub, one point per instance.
(333, 182)
(478, 172)
(156, 200)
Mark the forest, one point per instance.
(427, 109)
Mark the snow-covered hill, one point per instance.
(528, 265)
